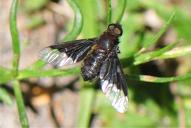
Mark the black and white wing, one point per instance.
(68, 53)
(113, 82)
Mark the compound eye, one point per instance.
(117, 31)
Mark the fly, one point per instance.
(100, 62)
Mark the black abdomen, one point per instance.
(92, 63)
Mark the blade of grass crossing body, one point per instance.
(90, 29)
(15, 37)
(78, 22)
(20, 104)
(109, 12)
(86, 100)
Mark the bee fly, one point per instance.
(100, 62)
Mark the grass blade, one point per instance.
(86, 97)
(34, 5)
(109, 12)
(20, 104)
(37, 65)
(176, 52)
(27, 73)
(146, 57)
(154, 39)
(3, 71)
(90, 27)
(6, 77)
(78, 22)
(5, 97)
(154, 79)
(120, 11)
(15, 36)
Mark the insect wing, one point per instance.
(68, 53)
(113, 83)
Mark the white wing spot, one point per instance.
(117, 98)
(62, 59)
(44, 53)
(54, 57)
(104, 85)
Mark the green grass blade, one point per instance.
(27, 73)
(5, 97)
(154, 39)
(154, 79)
(176, 52)
(90, 27)
(34, 22)
(181, 23)
(20, 104)
(34, 5)
(3, 71)
(146, 57)
(109, 12)
(78, 22)
(86, 99)
(119, 11)
(16, 58)
(15, 36)
(37, 65)
(6, 77)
